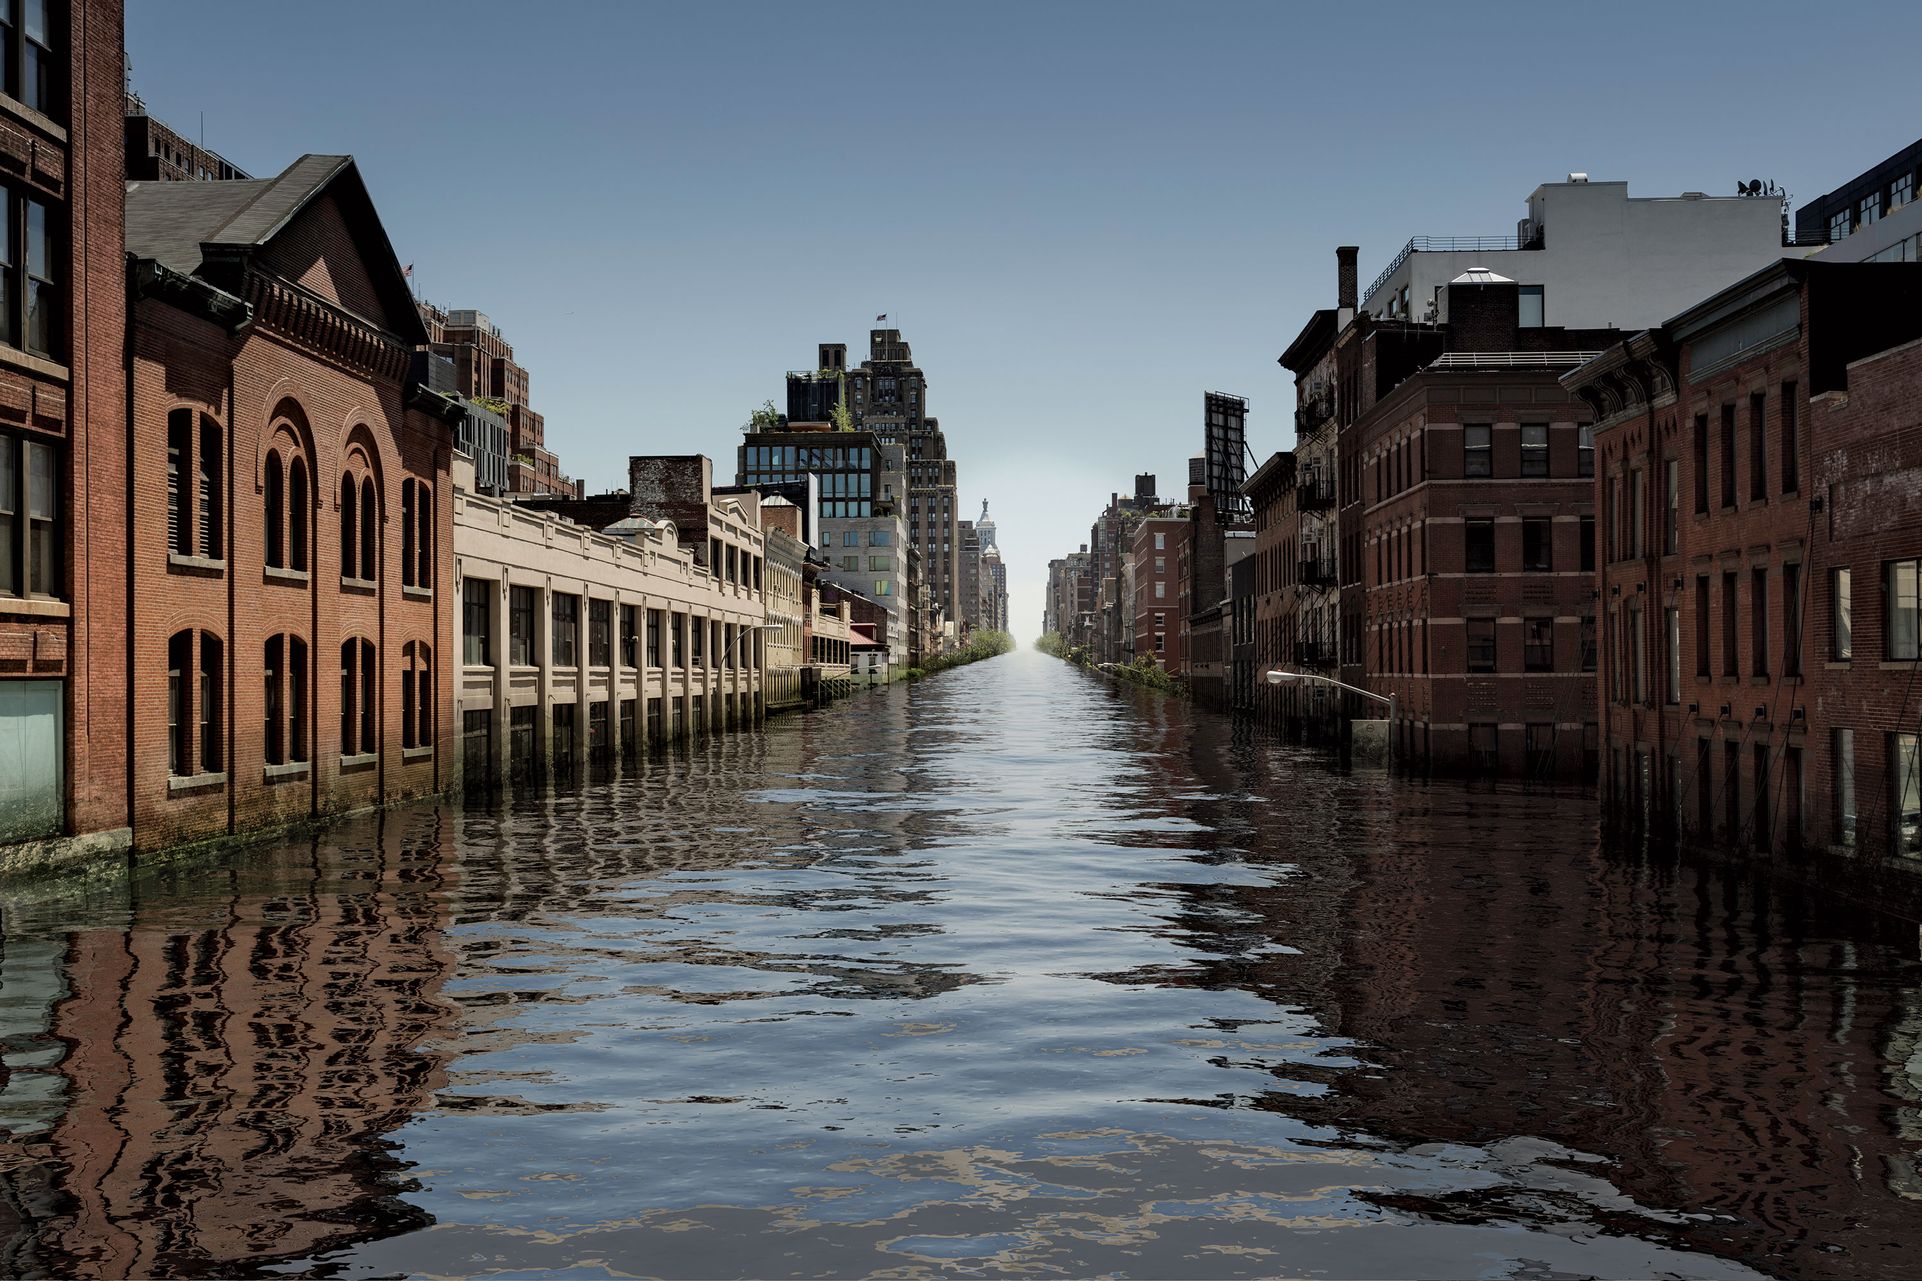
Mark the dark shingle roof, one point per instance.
(175, 223)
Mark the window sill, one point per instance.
(417, 593)
(1838, 665)
(365, 760)
(290, 577)
(1899, 664)
(417, 753)
(194, 782)
(205, 565)
(286, 770)
(26, 115)
(35, 606)
(359, 586)
(28, 362)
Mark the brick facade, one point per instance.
(63, 626)
(275, 431)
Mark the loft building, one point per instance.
(156, 153)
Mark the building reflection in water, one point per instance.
(205, 1076)
(1724, 1042)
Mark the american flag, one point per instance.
(407, 272)
(883, 316)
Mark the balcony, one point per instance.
(1317, 573)
(1312, 653)
(1314, 492)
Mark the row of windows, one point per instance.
(1406, 463)
(1787, 452)
(1478, 548)
(196, 718)
(1872, 208)
(690, 640)
(195, 508)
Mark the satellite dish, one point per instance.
(1754, 186)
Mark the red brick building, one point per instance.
(1469, 465)
(1761, 487)
(290, 551)
(1160, 600)
(1271, 495)
(63, 576)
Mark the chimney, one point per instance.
(1347, 288)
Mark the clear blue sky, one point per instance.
(1082, 215)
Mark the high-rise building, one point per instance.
(887, 395)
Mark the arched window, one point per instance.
(417, 695)
(349, 527)
(424, 536)
(212, 754)
(275, 665)
(369, 540)
(407, 535)
(299, 512)
(359, 719)
(180, 674)
(276, 513)
(195, 709)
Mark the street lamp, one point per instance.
(1277, 676)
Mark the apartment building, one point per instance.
(1761, 528)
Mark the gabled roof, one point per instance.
(185, 226)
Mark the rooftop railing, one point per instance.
(1443, 245)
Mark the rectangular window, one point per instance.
(1731, 659)
(1638, 654)
(1905, 794)
(1840, 616)
(29, 518)
(1588, 642)
(697, 642)
(1701, 464)
(653, 638)
(1637, 512)
(1538, 644)
(1672, 507)
(1758, 448)
(1728, 455)
(565, 650)
(1900, 622)
(1161, 590)
(477, 636)
(520, 626)
(30, 303)
(1842, 771)
(1477, 450)
(1758, 601)
(1161, 542)
(1481, 644)
(1701, 625)
(1478, 545)
(1531, 307)
(1534, 449)
(1483, 746)
(1791, 620)
(1537, 544)
(1672, 627)
(600, 629)
(1588, 544)
(1791, 445)
(1585, 450)
(630, 642)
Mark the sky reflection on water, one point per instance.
(1004, 973)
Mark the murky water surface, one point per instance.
(1008, 973)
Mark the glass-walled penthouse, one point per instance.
(846, 463)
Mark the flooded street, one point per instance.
(1007, 972)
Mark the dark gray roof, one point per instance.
(175, 223)
(170, 221)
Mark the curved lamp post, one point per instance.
(1276, 676)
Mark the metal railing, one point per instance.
(1443, 245)
(1317, 573)
(1511, 359)
(1314, 492)
(1313, 412)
